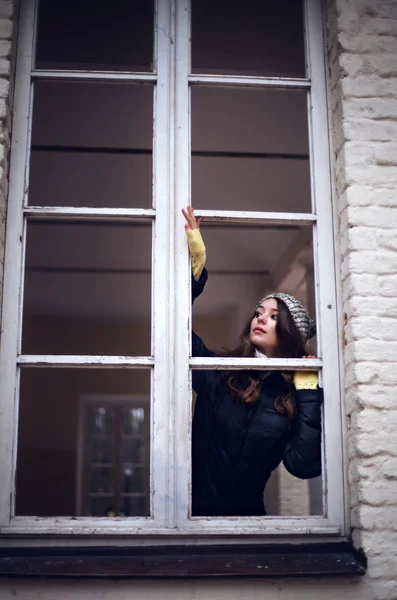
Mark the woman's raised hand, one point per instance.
(191, 221)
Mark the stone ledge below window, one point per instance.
(185, 561)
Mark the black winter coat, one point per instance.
(236, 446)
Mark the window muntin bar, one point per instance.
(270, 364)
(38, 74)
(120, 39)
(131, 215)
(255, 217)
(249, 82)
(79, 361)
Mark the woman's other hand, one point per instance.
(191, 221)
(306, 380)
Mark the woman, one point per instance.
(246, 422)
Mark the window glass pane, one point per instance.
(87, 288)
(83, 153)
(72, 458)
(247, 440)
(91, 35)
(259, 38)
(250, 150)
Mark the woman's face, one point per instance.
(263, 332)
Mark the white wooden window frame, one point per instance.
(169, 363)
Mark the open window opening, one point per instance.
(117, 142)
(240, 274)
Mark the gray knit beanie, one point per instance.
(303, 322)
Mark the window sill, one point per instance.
(281, 560)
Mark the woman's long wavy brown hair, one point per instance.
(245, 385)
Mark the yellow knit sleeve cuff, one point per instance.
(305, 380)
(197, 252)
(195, 241)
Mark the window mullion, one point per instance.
(182, 198)
(162, 458)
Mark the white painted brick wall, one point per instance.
(362, 40)
(364, 84)
(6, 34)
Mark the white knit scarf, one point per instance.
(264, 374)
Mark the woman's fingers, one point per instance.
(191, 221)
(309, 356)
(186, 214)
